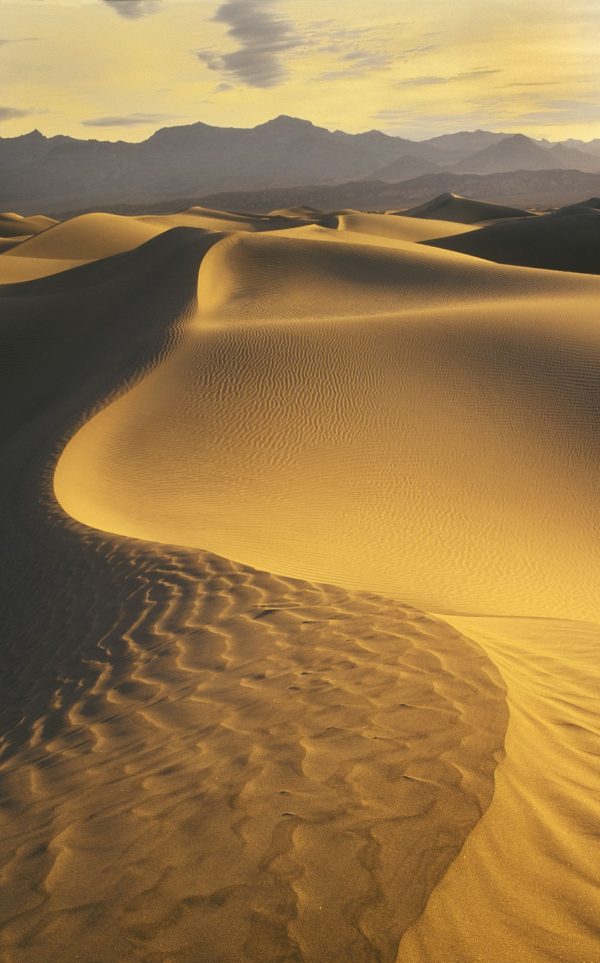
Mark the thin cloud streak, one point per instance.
(427, 81)
(13, 113)
(129, 120)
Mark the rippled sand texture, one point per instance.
(201, 761)
(396, 418)
(359, 408)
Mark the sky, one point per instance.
(120, 69)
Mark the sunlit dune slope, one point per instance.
(565, 241)
(527, 884)
(398, 227)
(304, 210)
(333, 398)
(465, 210)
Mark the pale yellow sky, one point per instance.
(119, 69)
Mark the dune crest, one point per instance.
(464, 210)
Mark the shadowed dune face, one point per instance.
(464, 210)
(564, 241)
(199, 760)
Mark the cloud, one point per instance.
(263, 38)
(12, 113)
(6, 40)
(415, 51)
(362, 62)
(127, 120)
(358, 63)
(562, 112)
(133, 9)
(428, 81)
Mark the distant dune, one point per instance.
(464, 210)
(566, 241)
(300, 556)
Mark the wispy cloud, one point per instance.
(424, 81)
(562, 112)
(127, 120)
(357, 63)
(4, 41)
(428, 81)
(363, 61)
(13, 113)
(133, 9)
(263, 38)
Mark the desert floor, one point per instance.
(300, 559)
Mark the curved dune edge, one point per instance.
(199, 757)
(524, 887)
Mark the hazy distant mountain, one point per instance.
(60, 174)
(569, 157)
(521, 153)
(590, 147)
(192, 159)
(404, 168)
(465, 142)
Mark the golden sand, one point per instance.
(207, 762)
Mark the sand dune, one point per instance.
(72, 243)
(398, 228)
(209, 220)
(205, 745)
(15, 225)
(217, 763)
(93, 236)
(565, 241)
(88, 237)
(6, 243)
(464, 210)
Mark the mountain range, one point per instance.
(194, 161)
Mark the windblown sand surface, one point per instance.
(207, 762)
